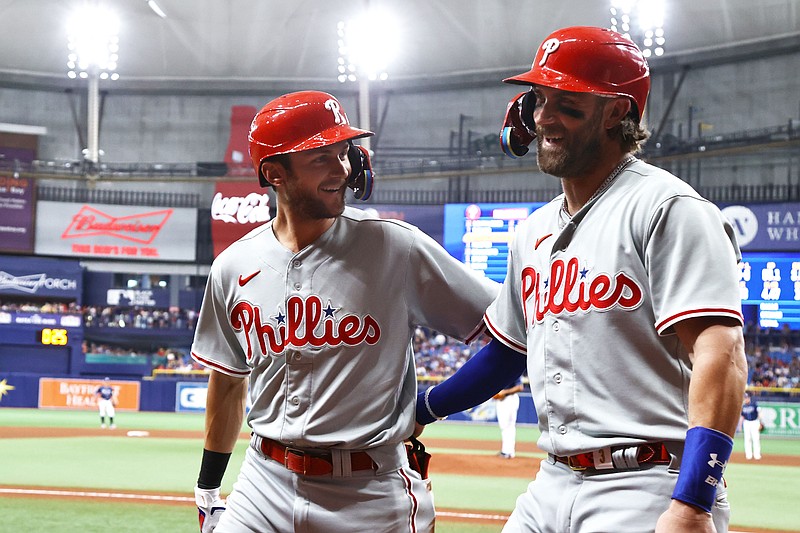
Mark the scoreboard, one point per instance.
(770, 281)
(479, 234)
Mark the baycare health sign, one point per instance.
(115, 231)
(237, 208)
(68, 393)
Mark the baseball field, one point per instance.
(59, 471)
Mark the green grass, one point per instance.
(145, 464)
(761, 496)
(33, 515)
(137, 420)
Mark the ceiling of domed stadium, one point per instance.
(268, 40)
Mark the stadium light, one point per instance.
(648, 32)
(93, 44)
(367, 45)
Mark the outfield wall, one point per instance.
(781, 418)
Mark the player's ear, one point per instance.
(616, 110)
(273, 172)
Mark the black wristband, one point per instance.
(212, 469)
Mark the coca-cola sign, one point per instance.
(237, 208)
(250, 209)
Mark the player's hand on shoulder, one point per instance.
(209, 507)
(684, 518)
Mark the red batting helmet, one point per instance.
(586, 59)
(296, 122)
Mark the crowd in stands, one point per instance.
(56, 308)
(438, 356)
(164, 358)
(773, 354)
(112, 316)
(139, 317)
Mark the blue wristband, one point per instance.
(705, 456)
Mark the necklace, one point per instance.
(565, 217)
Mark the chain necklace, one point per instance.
(564, 216)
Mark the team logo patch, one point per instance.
(305, 323)
(570, 288)
(244, 279)
(338, 115)
(548, 47)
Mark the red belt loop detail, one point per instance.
(649, 453)
(310, 464)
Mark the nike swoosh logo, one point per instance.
(540, 240)
(243, 281)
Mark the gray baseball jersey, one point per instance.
(593, 306)
(325, 333)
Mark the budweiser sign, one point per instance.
(250, 209)
(141, 228)
(33, 282)
(116, 231)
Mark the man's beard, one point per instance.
(577, 156)
(312, 207)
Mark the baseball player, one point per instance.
(623, 293)
(506, 405)
(105, 403)
(751, 427)
(318, 308)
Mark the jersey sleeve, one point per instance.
(692, 259)
(505, 317)
(443, 293)
(216, 345)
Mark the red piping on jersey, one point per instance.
(414, 503)
(705, 311)
(217, 366)
(480, 328)
(511, 343)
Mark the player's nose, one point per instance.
(341, 167)
(544, 113)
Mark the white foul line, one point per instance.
(184, 499)
(87, 494)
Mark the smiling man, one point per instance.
(318, 308)
(623, 293)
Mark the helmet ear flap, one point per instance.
(519, 129)
(361, 175)
(526, 108)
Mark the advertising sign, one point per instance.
(115, 231)
(68, 393)
(190, 397)
(16, 214)
(138, 297)
(780, 419)
(765, 227)
(22, 276)
(237, 208)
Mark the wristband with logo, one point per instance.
(705, 456)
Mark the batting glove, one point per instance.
(209, 507)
